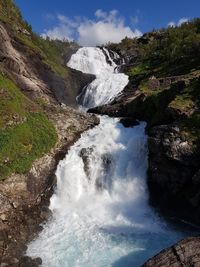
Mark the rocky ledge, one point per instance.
(24, 199)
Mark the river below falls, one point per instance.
(100, 211)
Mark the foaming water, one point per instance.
(107, 85)
(100, 209)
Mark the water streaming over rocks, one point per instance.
(100, 212)
(107, 85)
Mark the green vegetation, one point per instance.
(171, 51)
(11, 14)
(139, 69)
(13, 104)
(165, 66)
(50, 51)
(182, 102)
(25, 131)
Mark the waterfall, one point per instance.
(107, 85)
(100, 211)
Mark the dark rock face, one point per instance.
(185, 253)
(85, 154)
(129, 122)
(173, 175)
(103, 181)
(28, 262)
(119, 106)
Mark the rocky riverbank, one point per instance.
(24, 199)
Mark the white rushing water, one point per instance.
(107, 84)
(100, 212)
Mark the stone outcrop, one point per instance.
(185, 253)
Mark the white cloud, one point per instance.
(100, 14)
(181, 21)
(171, 24)
(105, 27)
(60, 32)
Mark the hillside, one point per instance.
(33, 76)
(164, 90)
(36, 127)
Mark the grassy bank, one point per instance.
(25, 131)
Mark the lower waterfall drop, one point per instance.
(100, 210)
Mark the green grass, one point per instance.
(11, 14)
(26, 133)
(29, 135)
(145, 89)
(139, 69)
(24, 143)
(12, 102)
(182, 103)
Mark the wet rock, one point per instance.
(104, 182)
(129, 122)
(185, 253)
(28, 262)
(85, 154)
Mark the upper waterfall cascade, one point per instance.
(108, 84)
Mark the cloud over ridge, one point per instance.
(105, 27)
(180, 21)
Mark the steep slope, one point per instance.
(36, 67)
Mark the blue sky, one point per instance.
(94, 22)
